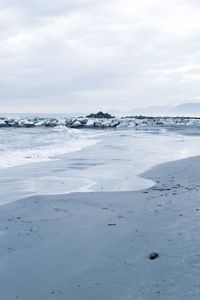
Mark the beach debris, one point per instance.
(153, 255)
(120, 216)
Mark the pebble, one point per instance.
(153, 255)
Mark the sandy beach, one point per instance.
(93, 246)
(100, 150)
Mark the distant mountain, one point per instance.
(152, 110)
(184, 109)
(187, 109)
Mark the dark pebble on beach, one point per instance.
(153, 255)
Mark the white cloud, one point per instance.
(91, 54)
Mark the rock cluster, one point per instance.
(93, 122)
(100, 115)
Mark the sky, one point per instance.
(91, 55)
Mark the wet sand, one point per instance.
(94, 246)
(111, 165)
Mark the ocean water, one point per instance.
(61, 160)
(20, 146)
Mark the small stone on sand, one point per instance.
(153, 255)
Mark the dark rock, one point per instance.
(114, 123)
(101, 124)
(51, 123)
(100, 115)
(83, 120)
(11, 123)
(153, 255)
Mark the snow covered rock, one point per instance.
(3, 123)
(51, 122)
(84, 122)
(76, 124)
(39, 123)
(114, 123)
(90, 123)
(102, 123)
(26, 123)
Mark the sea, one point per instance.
(35, 161)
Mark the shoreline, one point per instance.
(100, 167)
(96, 245)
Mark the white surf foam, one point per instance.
(16, 151)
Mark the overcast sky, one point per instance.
(87, 55)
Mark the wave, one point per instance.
(32, 146)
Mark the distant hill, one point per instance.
(187, 109)
(184, 109)
(152, 110)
